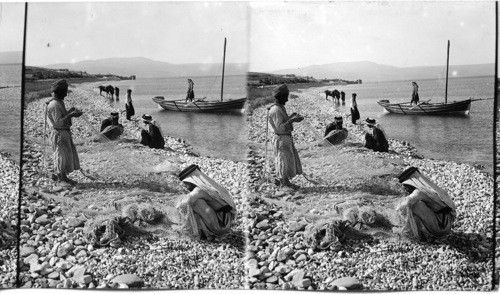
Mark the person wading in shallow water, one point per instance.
(129, 108)
(153, 137)
(65, 156)
(287, 158)
(354, 109)
(190, 91)
(117, 93)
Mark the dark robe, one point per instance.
(129, 109)
(377, 141)
(106, 123)
(354, 114)
(152, 137)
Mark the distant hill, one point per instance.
(13, 57)
(147, 68)
(373, 72)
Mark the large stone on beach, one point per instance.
(347, 282)
(42, 220)
(26, 250)
(263, 225)
(130, 280)
(297, 226)
(75, 222)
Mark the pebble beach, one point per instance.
(54, 252)
(278, 256)
(9, 195)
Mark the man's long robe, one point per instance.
(287, 158)
(65, 155)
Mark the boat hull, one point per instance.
(200, 106)
(452, 108)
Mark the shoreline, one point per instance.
(344, 171)
(120, 169)
(399, 145)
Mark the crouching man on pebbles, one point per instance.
(287, 158)
(153, 136)
(65, 155)
(429, 211)
(208, 210)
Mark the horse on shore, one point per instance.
(110, 91)
(335, 95)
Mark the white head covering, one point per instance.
(424, 184)
(195, 176)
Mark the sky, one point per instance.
(11, 26)
(174, 32)
(287, 35)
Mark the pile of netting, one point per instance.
(360, 217)
(133, 217)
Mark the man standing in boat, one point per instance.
(414, 95)
(190, 92)
(287, 158)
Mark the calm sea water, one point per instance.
(10, 109)
(466, 139)
(210, 134)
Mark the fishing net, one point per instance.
(360, 217)
(133, 217)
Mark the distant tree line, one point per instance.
(38, 73)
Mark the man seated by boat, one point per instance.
(375, 138)
(190, 91)
(153, 136)
(428, 212)
(111, 128)
(208, 210)
(335, 133)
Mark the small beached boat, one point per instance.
(426, 108)
(453, 108)
(201, 105)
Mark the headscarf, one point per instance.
(281, 89)
(192, 174)
(59, 85)
(412, 177)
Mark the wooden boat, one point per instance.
(453, 108)
(201, 105)
(426, 108)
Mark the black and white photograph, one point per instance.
(134, 136)
(370, 130)
(249, 146)
(11, 47)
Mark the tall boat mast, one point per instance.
(447, 66)
(223, 65)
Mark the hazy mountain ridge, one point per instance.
(373, 72)
(148, 68)
(12, 57)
